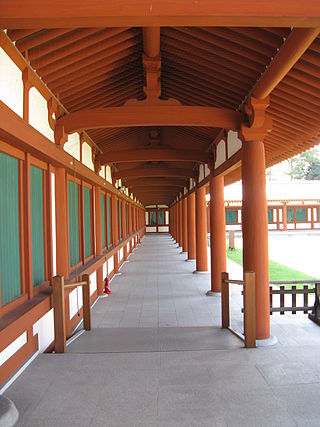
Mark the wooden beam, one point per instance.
(131, 116)
(143, 13)
(156, 182)
(153, 154)
(151, 41)
(146, 172)
(295, 46)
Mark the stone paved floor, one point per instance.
(157, 357)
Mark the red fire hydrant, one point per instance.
(106, 286)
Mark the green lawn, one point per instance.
(277, 271)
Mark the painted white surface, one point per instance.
(87, 155)
(151, 229)
(108, 174)
(53, 223)
(234, 143)
(75, 301)
(72, 146)
(121, 254)
(11, 85)
(105, 270)
(102, 172)
(201, 172)
(44, 327)
(132, 242)
(110, 265)
(163, 229)
(13, 348)
(221, 153)
(38, 114)
(128, 247)
(167, 217)
(147, 218)
(93, 283)
(206, 170)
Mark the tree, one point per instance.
(306, 165)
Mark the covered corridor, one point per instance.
(157, 357)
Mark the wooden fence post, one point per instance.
(59, 314)
(86, 302)
(225, 300)
(231, 240)
(249, 306)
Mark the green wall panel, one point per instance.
(270, 217)
(153, 218)
(160, 217)
(36, 189)
(108, 221)
(103, 220)
(9, 229)
(87, 222)
(73, 222)
(231, 216)
(301, 214)
(290, 214)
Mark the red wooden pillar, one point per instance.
(130, 226)
(217, 232)
(98, 233)
(284, 216)
(124, 227)
(184, 225)
(180, 225)
(191, 220)
(201, 230)
(255, 230)
(115, 237)
(61, 222)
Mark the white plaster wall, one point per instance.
(93, 283)
(234, 143)
(75, 300)
(38, 114)
(44, 327)
(105, 270)
(201, 172)
(11, 85)
(163, 229)
(128, 247)
(53, 223)
(221, 153)
(167, 217)
(121, 254)
(110, 265)
(72, 146)
(13, 348)
(147, 218)
(151, 229)
(132, 241)
(87, 155)
(206, 170)
(102, 172)
(108, 174)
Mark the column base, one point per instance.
(190, 260)
(272, 340)
(183, 252)
(213, 294)
(200, 272)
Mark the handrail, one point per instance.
(249, 306)
(58, 288)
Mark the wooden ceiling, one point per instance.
(200, 66)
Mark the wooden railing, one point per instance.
(309, 287)
(249, 306)
(58, 288)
